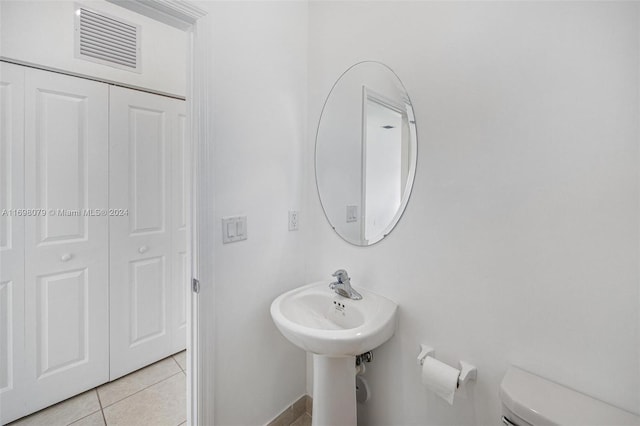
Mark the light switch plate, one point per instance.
(234, 228)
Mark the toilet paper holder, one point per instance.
(467, 371)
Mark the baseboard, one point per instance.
(304, 404)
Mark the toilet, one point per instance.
(530, 400)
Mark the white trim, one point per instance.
(193, 348)
(203, 207)
(363, 168)
(177, 13)
(200, 325)
(379, 98)
(90, 77)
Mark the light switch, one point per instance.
(231, 230)
(234, 228)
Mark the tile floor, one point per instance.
(297, 414)
(303, 420)
(154, 395)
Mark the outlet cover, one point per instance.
(293, 220)
(352, 214)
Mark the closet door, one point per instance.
(180, 200)
(142, 132)
(12, 350)
(66, 268)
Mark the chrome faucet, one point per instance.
(343, 285)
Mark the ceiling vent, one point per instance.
(107, 40)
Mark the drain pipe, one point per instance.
(362, 387)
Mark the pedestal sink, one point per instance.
(334, 329)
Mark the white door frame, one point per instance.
(200, 324)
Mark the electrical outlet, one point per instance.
(293, 220)
(352, 214)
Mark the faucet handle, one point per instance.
(341, 275)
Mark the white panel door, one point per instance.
(142, 131)
(180, 196)
(12, 350)
(66, 249)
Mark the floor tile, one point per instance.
(284, 419)
(164, 403)
(181, 358)
(64, 412)
(95, 419)
(303, 420)
(299, 407)
(128, 385)
(309, 405)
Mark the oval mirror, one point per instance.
(366, 151)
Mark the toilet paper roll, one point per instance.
(440, 378)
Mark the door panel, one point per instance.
(180, 203)
(66, 263)
(61, 146)
(62, 323)
(12, 350)
(143, 130)
(148, 170)
(148, 300)
(6, 335)
(180, 291)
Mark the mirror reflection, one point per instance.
(366, 153)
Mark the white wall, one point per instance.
(258, 86)
(41, 32)
(520, 243)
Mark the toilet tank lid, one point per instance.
(541, 402)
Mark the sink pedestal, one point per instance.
(334, 391)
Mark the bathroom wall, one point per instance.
(520, 242)
(258, 122)
(41, 32)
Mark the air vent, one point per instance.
(107, 40)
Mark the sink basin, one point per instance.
(318, 320)
(335, 329)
